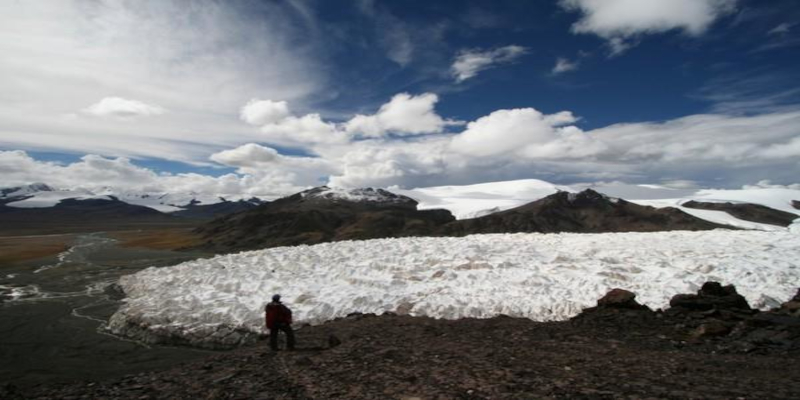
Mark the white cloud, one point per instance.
(261, 112)
(276, 172)
(469, 62)
(122, 108)
(564, 65)
(198, 62)
(505, 144)
(247, 155)
(525, 132)
(780, 29)
(404, 114)
(705, 138)
(618, 21)
(257, 177)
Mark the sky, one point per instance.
(270, 97)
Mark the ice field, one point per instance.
(537, 276)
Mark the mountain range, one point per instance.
(38, 208)
(329, 214)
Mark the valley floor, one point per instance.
(604, 353)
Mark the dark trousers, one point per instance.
(273, 336)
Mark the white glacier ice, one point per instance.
(472, 201)
(537, 276)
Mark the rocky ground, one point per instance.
(707, 345)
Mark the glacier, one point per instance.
(538, 276)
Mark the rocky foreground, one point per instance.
(707, 345)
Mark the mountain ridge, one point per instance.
(310, 218)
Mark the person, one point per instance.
(279, 318)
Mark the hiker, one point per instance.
(279, 318)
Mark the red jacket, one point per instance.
(278, 313)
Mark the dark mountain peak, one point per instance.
(254, 201)
(586, 198)
(586, 211)
(366, 196)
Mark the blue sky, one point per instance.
(268, 97)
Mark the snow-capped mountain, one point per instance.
(358, 195)
(39, 195)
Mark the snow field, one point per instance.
(537, 276)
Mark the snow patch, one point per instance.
(472, 201)
(538, 276)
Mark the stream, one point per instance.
(52, 315)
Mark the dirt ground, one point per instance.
(157, 239)
(16, 249)
(21, 248)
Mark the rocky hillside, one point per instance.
(196, 210)
(322, 214)
(584, 212)
(707, 345)
(747, 212)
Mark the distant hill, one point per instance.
(41, 209)
(74, 215)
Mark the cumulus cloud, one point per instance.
(262, 112)
(404, 114)
(564, 65)
(99, 173)
(524, 143)
(469, 63)
(122, 108)
(278, 125)
(505, 144)
(525, 132)
(618, 21)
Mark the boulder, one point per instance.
(619, 298)
(711, 296)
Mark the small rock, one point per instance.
(710, 329)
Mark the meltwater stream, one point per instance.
(52, 315)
